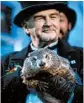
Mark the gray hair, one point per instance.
(28, 22)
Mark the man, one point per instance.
(66, 25)
(41, 20)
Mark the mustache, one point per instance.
(47, 28)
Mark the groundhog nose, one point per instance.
(42, 63)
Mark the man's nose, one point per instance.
(48, 21)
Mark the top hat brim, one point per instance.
(29, 11)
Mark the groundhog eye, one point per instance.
(46, 56)
(35, 58)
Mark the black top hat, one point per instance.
(36, 6)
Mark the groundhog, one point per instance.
(48, 73)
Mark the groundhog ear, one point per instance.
(46, 49)
(29, 54)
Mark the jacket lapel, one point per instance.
(63, 49)
(18, 57)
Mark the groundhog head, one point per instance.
(39, 60)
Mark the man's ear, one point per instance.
(70, 26)
(27, 31)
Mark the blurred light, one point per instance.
(2, 16)
(17, 45)
(33, 98)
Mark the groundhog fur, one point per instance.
(49, 74)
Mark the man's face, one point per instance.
(65, 25)
(47, 24)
